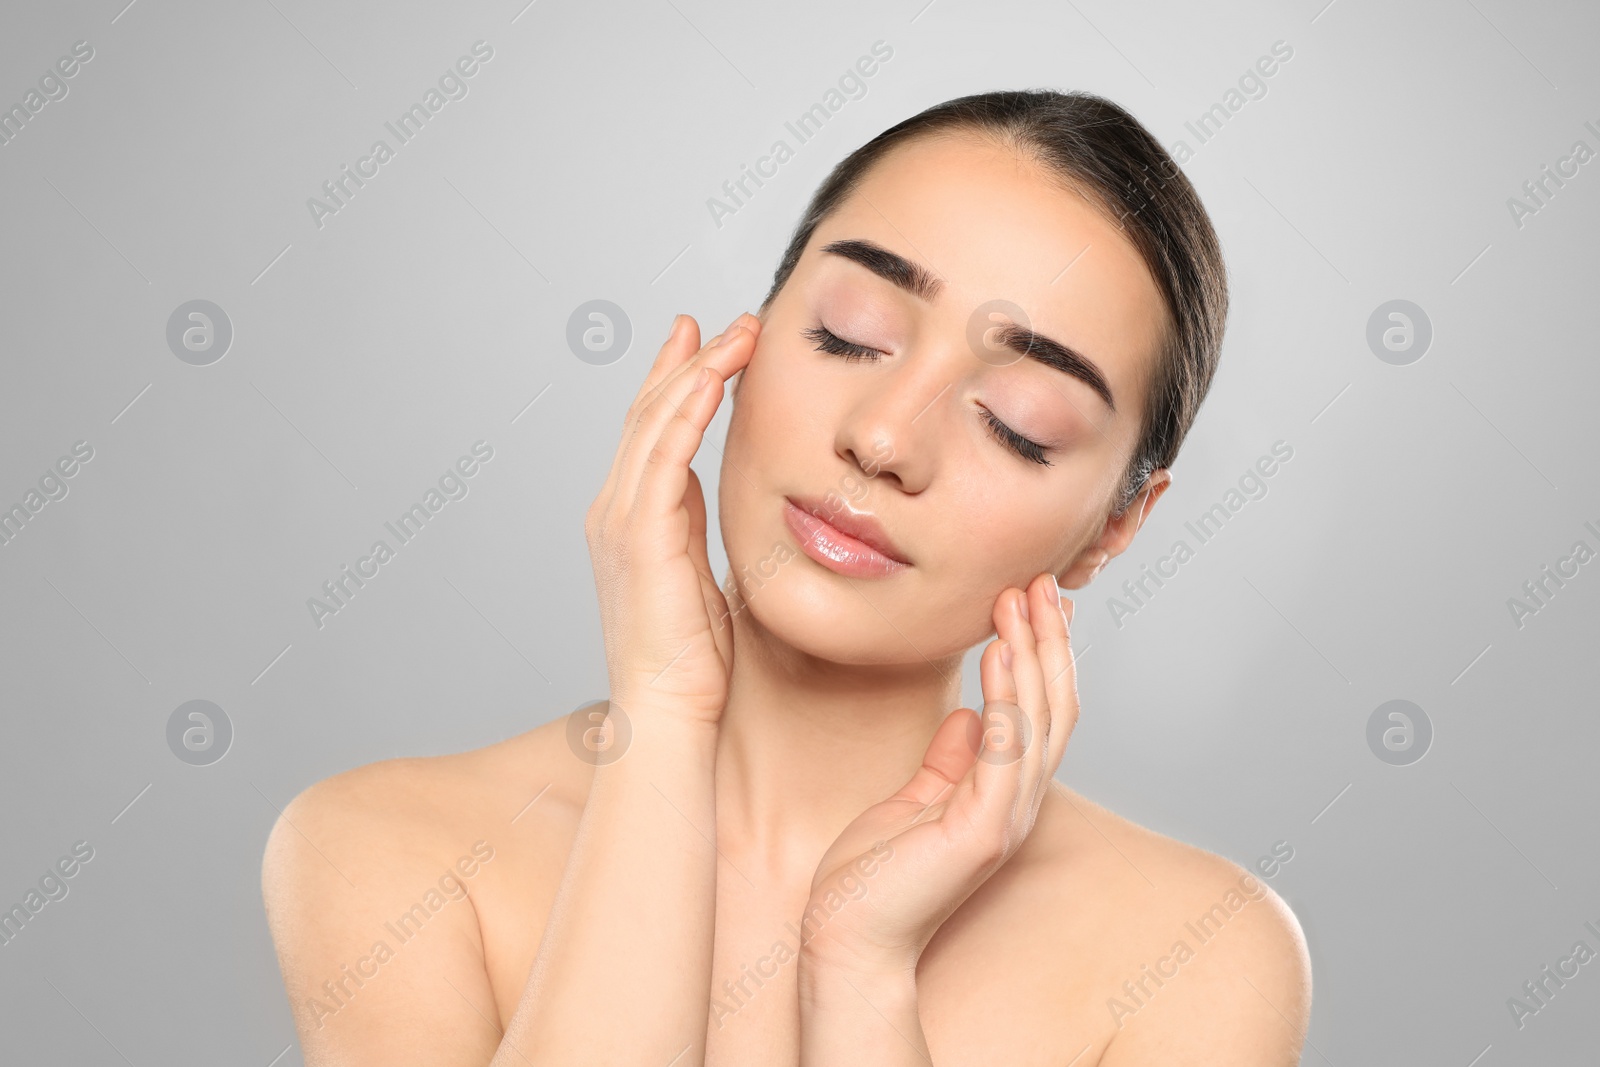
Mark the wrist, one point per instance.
(830, 983)
(831, 945)
(644, 702)
(825, 965)
(615, 738)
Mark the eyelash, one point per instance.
(828, 341)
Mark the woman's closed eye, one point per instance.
(1022, 446)
(828, 341)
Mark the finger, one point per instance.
(690, 361)
(950, 754)
(683, 339)
(682, 344)
(997, 776)
(1052, 634)
(679, 353)
(1013, 623)
(694, 501)
(655, 471)
(654, 405)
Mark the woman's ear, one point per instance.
(1118, 532)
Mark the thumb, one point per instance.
(694, 502)
(950, 755)
(955, 745)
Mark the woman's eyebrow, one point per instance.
(1055, 354)
(923, 284)
(914, 278)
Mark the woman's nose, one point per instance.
(895, 425)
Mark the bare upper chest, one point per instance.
(1011, 977)
(1002, 983)
(990, 989)
(1021, 973)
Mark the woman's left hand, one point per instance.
(923, 851)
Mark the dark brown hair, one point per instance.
(1100, 151)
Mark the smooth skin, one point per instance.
(798, 762)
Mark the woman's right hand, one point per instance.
(668, 636)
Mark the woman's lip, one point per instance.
(858, 526)
(834, 548)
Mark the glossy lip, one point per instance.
(852, 543)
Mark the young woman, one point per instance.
(781, 841)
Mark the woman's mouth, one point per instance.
(864, 552)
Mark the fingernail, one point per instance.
(1067, 612)
(1022, 605)
(1005, 654)
(1055, 591)
(673, 329)
(702, 379)
(725, 338)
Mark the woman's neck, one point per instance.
(806, 745)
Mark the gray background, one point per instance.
(368, 354)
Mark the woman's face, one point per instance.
(895, 423)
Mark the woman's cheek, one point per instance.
(783, 397)
(1018, 536)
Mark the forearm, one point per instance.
(624, 967)
(859, 1019)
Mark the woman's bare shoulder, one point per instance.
(361, 863)
(393, 816)
(1075, 820)
(1161, 908)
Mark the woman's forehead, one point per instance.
(985, 213)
